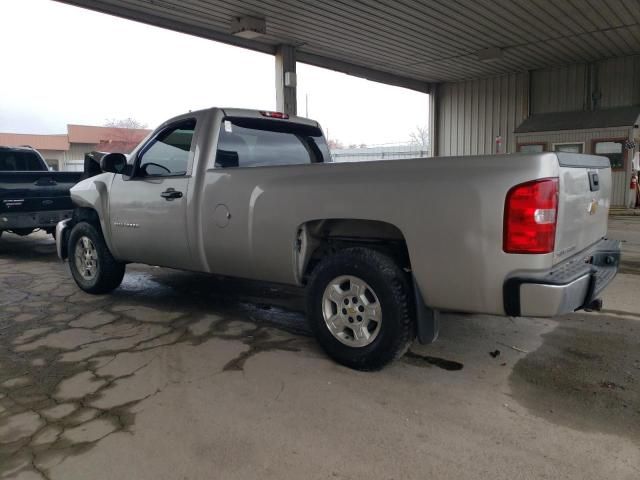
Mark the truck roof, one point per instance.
(22, 148)
(249, 113)
(246, 113)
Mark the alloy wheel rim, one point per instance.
(351, 311)
(86, 258)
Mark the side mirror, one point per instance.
(227, 158)
(114, 163)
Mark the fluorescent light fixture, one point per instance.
(248, 27)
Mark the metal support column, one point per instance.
(286, 82)
(434, 120)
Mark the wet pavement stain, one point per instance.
(425, 360)
(266, 345)
(586, 375)
(61, 354)
(59, 349)
(630, 266)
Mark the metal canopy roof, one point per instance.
(409, 42)
(552, 122)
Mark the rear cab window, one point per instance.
(248, 142)
(20, 161)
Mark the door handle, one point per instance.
(170, 194)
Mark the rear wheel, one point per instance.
(358, 304)
(93, 267)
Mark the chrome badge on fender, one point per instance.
(126, 224)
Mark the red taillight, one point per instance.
(284, 116)
(530, 215)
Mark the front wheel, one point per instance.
(93, 267)
(358, 304)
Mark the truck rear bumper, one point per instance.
(45, 219)
(570, 286)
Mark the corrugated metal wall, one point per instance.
(473, 113)
(619, 178)
(561, 89)
(566, 89)
(619, 81)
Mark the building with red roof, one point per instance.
(66, 151)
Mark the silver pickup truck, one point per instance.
(381, 247)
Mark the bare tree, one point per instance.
(128, 122)
(420, 138)
(127, 130)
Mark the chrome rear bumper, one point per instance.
(570, 286)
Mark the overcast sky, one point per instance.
(63, 64)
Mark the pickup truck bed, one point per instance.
(34, 199)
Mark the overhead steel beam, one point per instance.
(364, 72)
(317, 60)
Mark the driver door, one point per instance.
(148, 211)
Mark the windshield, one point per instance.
(20, 161)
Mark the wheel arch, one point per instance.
(92, 216)
(320, 237)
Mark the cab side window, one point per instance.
(168, 154)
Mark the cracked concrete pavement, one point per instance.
(178, 375)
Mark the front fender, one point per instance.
(93, 193)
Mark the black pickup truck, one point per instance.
(31, 196)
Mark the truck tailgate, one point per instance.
(583, 207)
(22, 192)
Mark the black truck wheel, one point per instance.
(358, 305)
(93, 267)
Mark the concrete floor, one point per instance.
(183, 376)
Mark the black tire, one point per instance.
(392, 288)
(108, 271)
